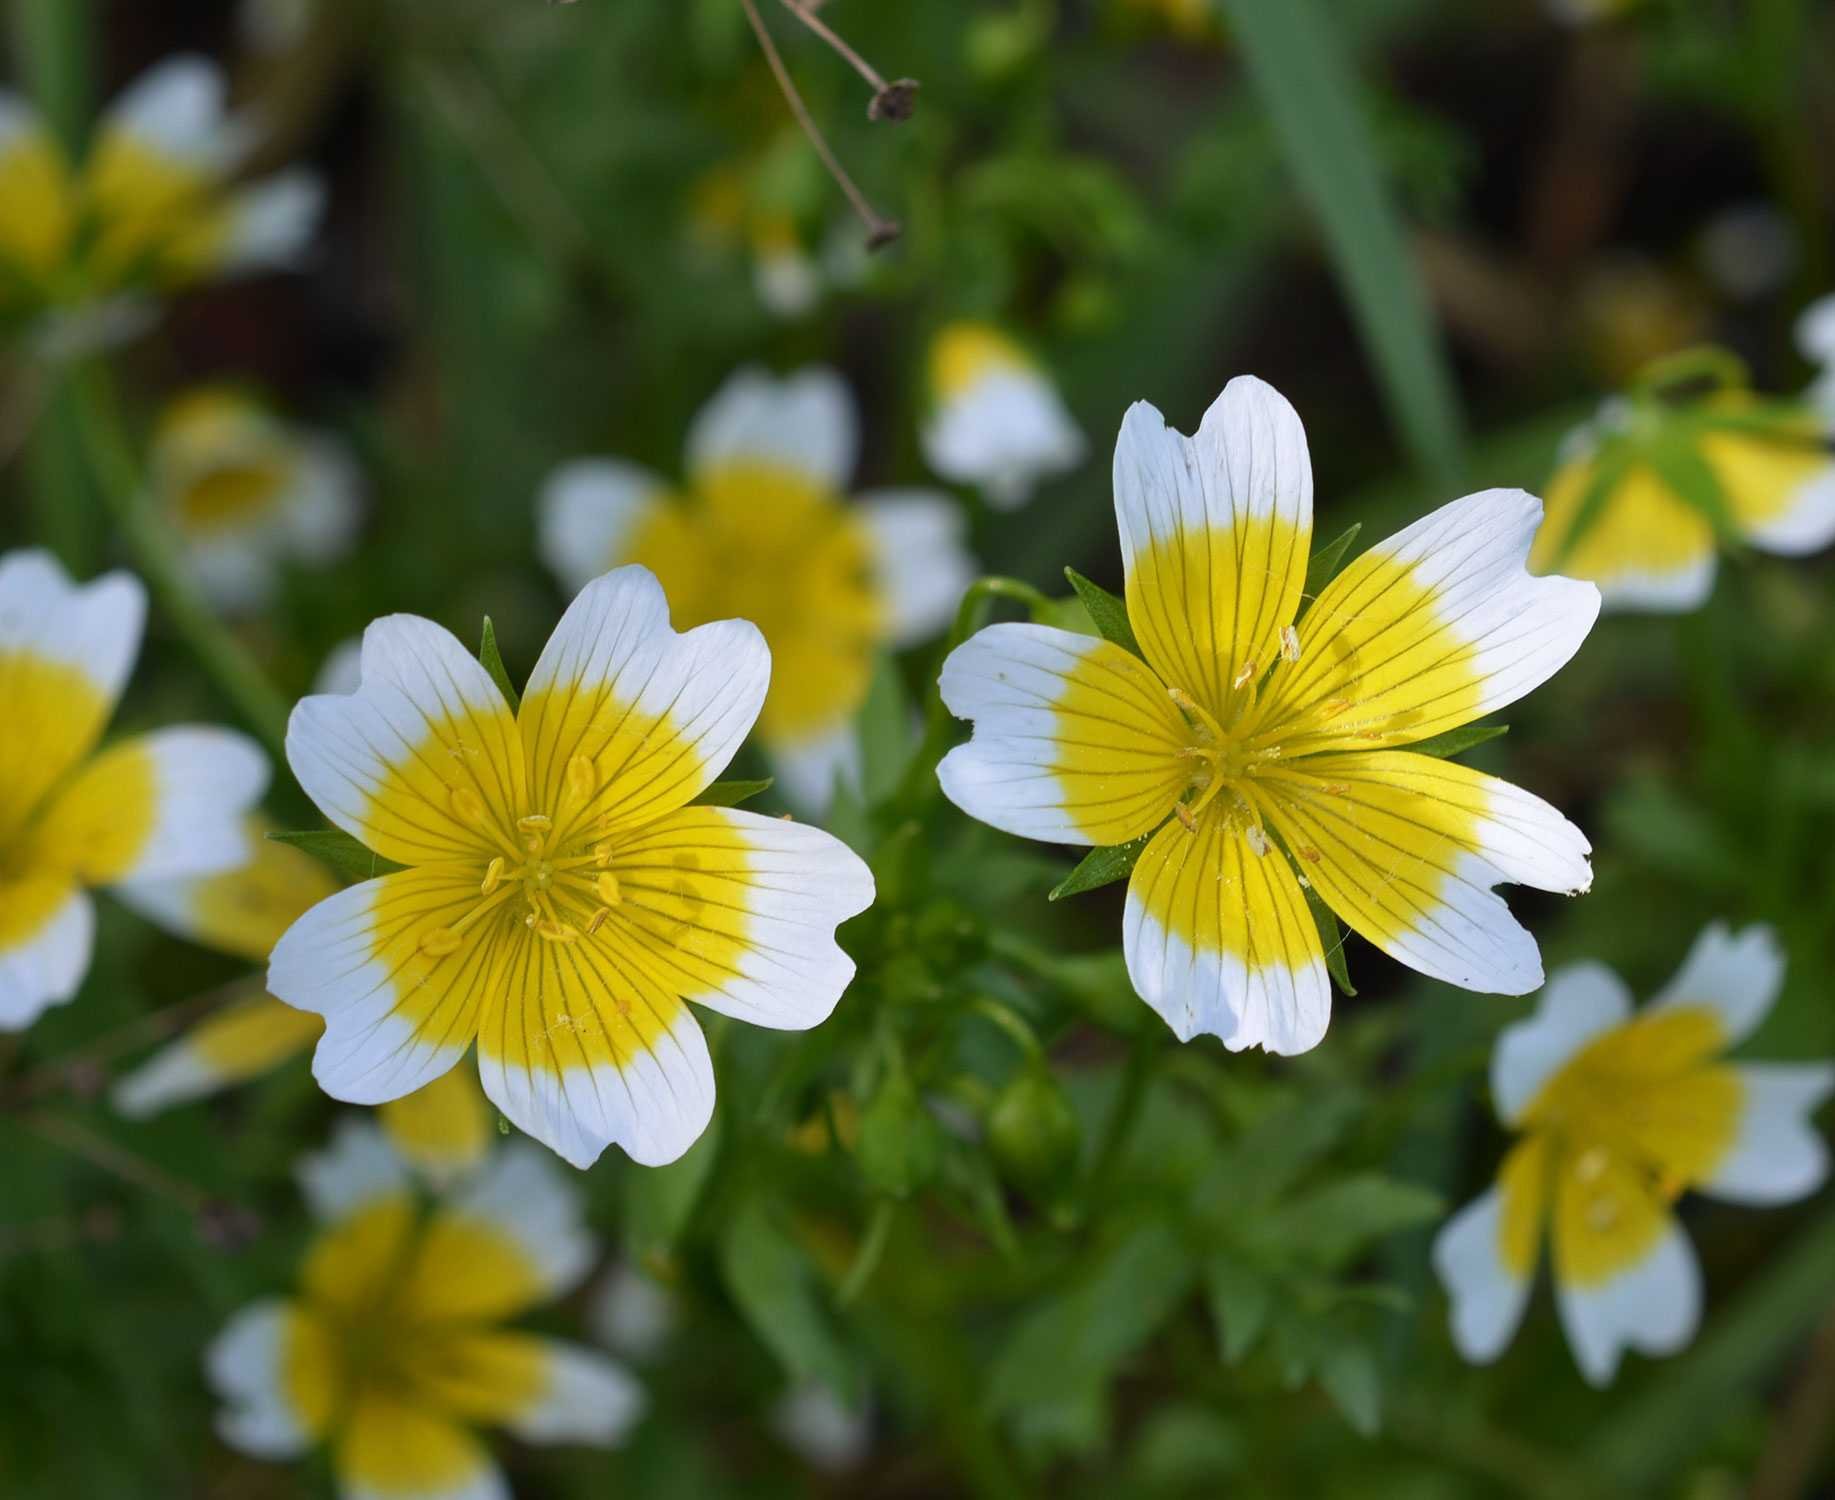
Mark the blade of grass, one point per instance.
(1311, 92)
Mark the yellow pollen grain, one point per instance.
(493, 873)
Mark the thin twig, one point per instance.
(118, 1161)
(880, 231)
(1800, 1431)
(891, 101)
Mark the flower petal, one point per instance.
(1780, 490)
(1647, 549)
(160, 806)
(1580, 1002)
(997, 422)
(269, 1367)
(587, 1050)
(1075, 740)
(393, 1449)
(1736, 976)
(175, 108)
(423, 761)
(1406, 849)
(738, 912)
(65, 652)
(271, 223)
(40, 209)
(243, 910)
(920, 559)
(243, 1040)
(1215, 534)
(357, 1170)
(47, 932)
(1485, 1255)
(1632, 1283)
(808, 770)
(1778, 1154)
(443, 1127)
(588, 513)
(543, 1390)
(396, 1015)
(1218, 939)
(1427, 631)
(657, 714)
(510, 1237)
(803, 422)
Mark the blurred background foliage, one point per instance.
(1029, 1242)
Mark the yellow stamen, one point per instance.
(1256, 839)
(1245, 676)
(597, 919)
(437, 942)
(467, 804)
(607, 887)
(1185, 816)
(602, 855)
(493, 873)
(1308, 853)
(535, 822)
(582, 778)
(1333, 707)
(1189, 706)
(1290, 644)
(555, 932)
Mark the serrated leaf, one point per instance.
(1457, 741)
(493, 663)
(1347, 1373)
(335, 847)
(775, 1287)
(1332, 1224)
(1322, 567)
(1101, 866)
(732, 793)
(1107, 613)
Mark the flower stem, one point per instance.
(118, 477)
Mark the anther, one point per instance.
(582, 779)
(1245, 676)
(602, 854)
(1336, 789)
(1308, 853)
(1184, 815)
(1290, 643)
(467, 804)
(493, 873)
(607, 887)
(597, 919)
(437, 942)
(556, 932)
(535, 822)
(1256, 839)
(1333, 707)
(532, 843)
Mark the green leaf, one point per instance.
(1311, 93)
(775, 1287)
(343, 853)
(1457, 741)
(1241, 1297)
(659, 1201)
(1323, 566)
(1678, 460)
(888, 732)
(900, 1143)
(1101, 866)
(1331, 939)
(1331, 1225)
(732, 793)
(1347, 1373)
(493, 663)
(1107, 613)
(1610, 460)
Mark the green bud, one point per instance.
(1034, 1133)
(900, 1143)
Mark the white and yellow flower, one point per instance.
(1816, 338)
(764, 533)
(158, 805)
(1626, 506)
(393, 1350)
(246, 491)
(1259, 753)
(443, 1129)
(563, 899)
(996, 420)
(1618, 1115)
(152, 209)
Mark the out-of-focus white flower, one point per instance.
(632, 1313)
(824, 1432)
(1816, 338)
(246, 491)
(1748, 250)
(996, 421)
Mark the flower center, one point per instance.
(1222, 768)
(553, 873)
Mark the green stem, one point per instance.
(222, 656)
(51, 45)
(1122, 1119)
(872, 1250)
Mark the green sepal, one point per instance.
(1102, 866)
(732, 793)
(1107, 612)
(335, 847)
(493, 663)
(1323, 566)
(1456, 741)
